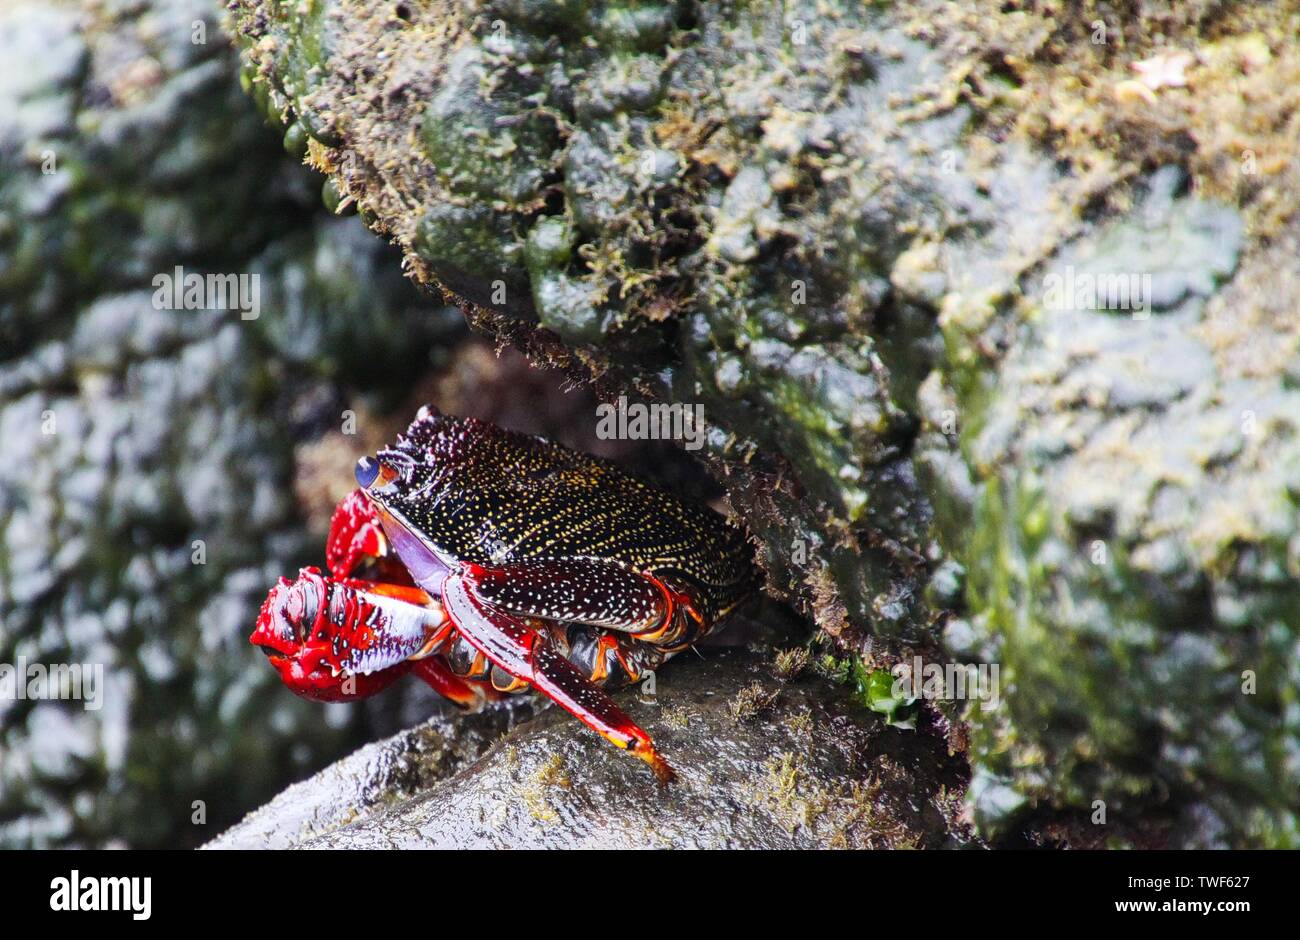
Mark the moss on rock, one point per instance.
(678, 194)
(831, 224)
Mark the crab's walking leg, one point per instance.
(595, 593)
(521, 651)
(465, 693)
(586, 591)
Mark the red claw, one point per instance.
(356, 538)
(335, 641)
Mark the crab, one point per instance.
(488, 562)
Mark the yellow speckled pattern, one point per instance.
(480, 494)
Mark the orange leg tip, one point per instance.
(663, 771)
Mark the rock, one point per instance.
(627, 170)
(367, 782)
(147, 494)
(761, 763)
(1130, 537)
(163, 467)
(831, 224)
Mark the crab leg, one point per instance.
(585, 591)
(356, 537)
(522, 652)
(595, 593)
(425, 664)
(465, 693)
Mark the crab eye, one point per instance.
(366, 472)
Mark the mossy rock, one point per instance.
(626, 191)
(829, 224)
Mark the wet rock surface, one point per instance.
(365, 784)
(1130, 524)
(762, 763)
